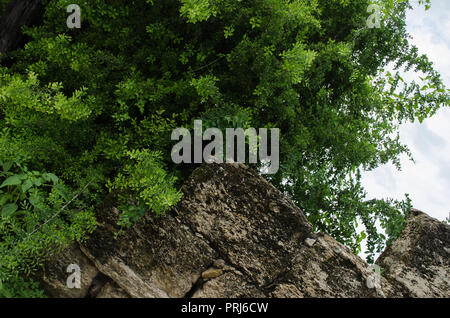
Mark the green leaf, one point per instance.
(4, 199)
(20, 212)
(38, 182)
(13, 180)
(27, 185)
(9, 209)
(62, 191)
(7, 166)
(50, 177)
(34, 199)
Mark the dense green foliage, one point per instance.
(103, 100)
(35, 221)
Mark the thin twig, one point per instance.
(207, 65)
(62, 209)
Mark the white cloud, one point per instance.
(428, 179)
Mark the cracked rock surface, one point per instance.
(418, 261)
(235, 235)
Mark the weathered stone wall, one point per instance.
(235, 235)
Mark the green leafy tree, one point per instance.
(103, 100)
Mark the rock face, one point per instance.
(235, 235)
(418, 262)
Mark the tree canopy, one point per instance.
(96, 106)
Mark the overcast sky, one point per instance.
(428, 179)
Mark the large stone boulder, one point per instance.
(418, 261)
(232, 235)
